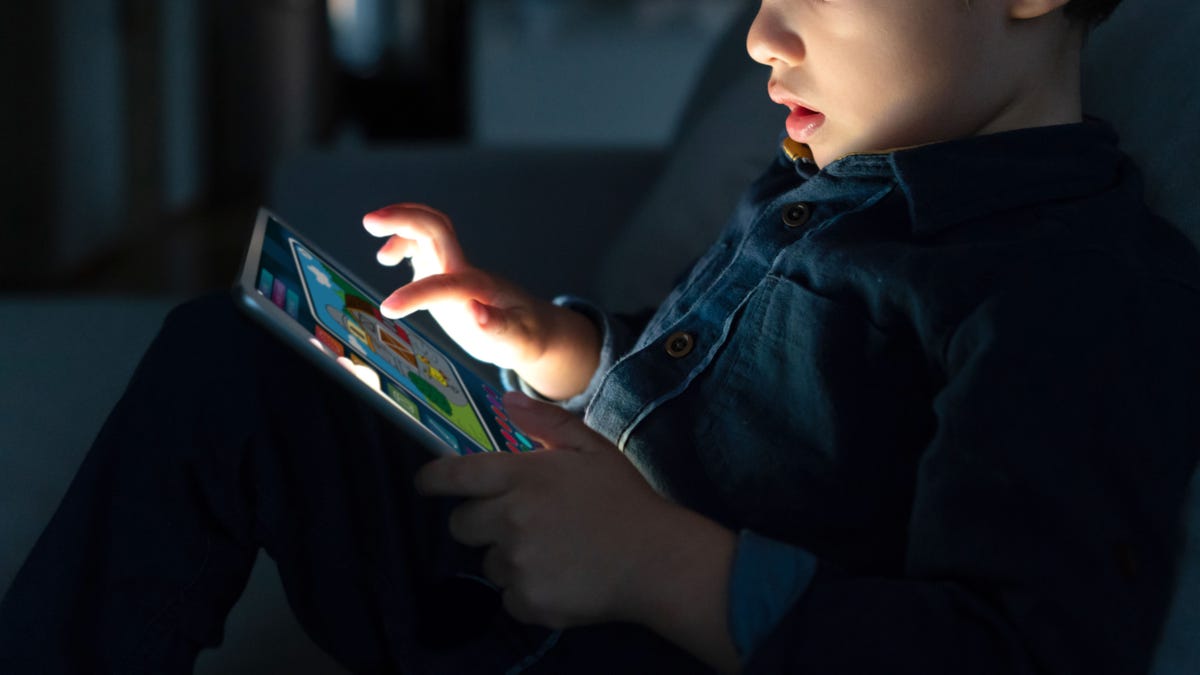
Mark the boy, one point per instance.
(926, 406)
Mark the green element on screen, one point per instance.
(436, 398)
(406, 403)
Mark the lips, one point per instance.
(803, 122)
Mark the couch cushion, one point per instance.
(1141, 72)
(728, 133)
(66, 361)
(1179, 647)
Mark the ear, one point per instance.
(1032, 9)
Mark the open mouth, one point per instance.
(804, 123)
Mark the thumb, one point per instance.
(550, 425)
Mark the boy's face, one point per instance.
(884, 74)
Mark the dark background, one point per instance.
(140, 125)
(139, 136)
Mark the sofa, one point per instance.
(614, 224)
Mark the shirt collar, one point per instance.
(962, 180)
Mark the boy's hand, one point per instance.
(491, 319)
(576, 535)
(553, 349)
(565, 526)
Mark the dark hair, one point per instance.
(1090, 12)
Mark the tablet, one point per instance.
(306, 299)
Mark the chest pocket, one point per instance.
(813, 419)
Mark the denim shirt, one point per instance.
(948, 394)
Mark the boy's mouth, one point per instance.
(803, 123)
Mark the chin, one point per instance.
(823, 156)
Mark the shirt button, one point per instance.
(680, 344)
(796, 215)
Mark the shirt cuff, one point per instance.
(768, 578)
(613, 336)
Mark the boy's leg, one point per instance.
(225, 441)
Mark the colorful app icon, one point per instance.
(515, 441)
(266, 282)
(279, 294)
(329, 341)
(292, 304)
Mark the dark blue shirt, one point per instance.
(962, 379)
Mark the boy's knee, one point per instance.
(210, 324)
(211, 316)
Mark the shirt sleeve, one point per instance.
(1045, 521)
(768, 577)
(618, 333)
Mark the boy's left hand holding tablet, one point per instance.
(575, 533)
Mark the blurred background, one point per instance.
(141, 135)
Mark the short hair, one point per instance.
(1090, 12)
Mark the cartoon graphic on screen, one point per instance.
(402, 355)
(414, 358)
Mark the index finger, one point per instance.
(473, 476)
(423, 293)
(422, 224)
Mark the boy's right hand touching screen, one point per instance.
(555, 350)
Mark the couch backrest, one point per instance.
(728, 133)
(1141, 72)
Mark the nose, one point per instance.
(770, 41)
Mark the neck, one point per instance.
(1050, 92)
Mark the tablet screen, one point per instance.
(400, 363)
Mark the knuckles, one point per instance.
(515, 522)
(531, 604)
(457, 474)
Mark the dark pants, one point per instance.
(226, 441)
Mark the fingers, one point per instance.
(496, 567)
(396, 250)
(479, 522)
(473, 476)
(423, 293)
(430, 230)
(550, 424)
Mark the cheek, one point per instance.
(908, 95)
